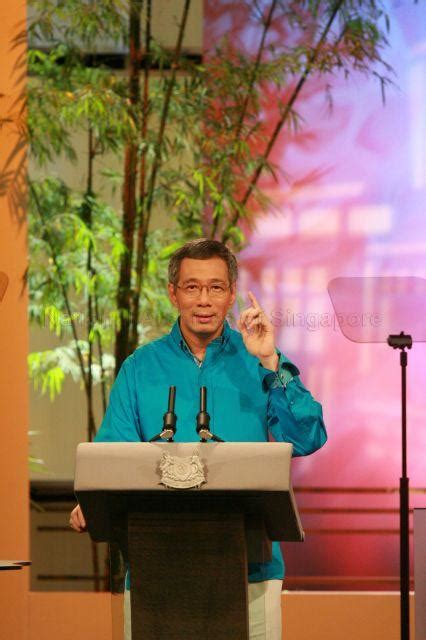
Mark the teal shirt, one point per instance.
(245, 401)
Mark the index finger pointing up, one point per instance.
(253, 300)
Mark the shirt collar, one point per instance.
(221, 340)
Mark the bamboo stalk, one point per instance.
(91, 428)
(100, 355)
(124, 292)
(142, 184)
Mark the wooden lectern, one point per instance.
(188, 548)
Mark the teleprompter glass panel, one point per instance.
(371, 309)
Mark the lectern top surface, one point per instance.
(236, 466)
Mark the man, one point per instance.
(252, 389)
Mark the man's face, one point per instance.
(202, 316)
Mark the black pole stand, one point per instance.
(402, 342)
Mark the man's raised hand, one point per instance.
(258, 334)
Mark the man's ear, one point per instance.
(233, 290)
(172, 294)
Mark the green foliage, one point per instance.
(47, 372)
(65, 96)
(36, 465)
(59, 241)
(49, 369)
(77, 22)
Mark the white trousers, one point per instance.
(264, 611)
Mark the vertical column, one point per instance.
(13, 323)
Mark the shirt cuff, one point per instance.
(278, 379)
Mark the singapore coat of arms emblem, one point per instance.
(182, 473)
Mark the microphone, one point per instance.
(169, 420)
(203, 419)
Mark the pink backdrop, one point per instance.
(353, 204)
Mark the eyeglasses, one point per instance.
(194, 290)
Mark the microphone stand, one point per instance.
(169, 420)
(402, 342)
(203, 420)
